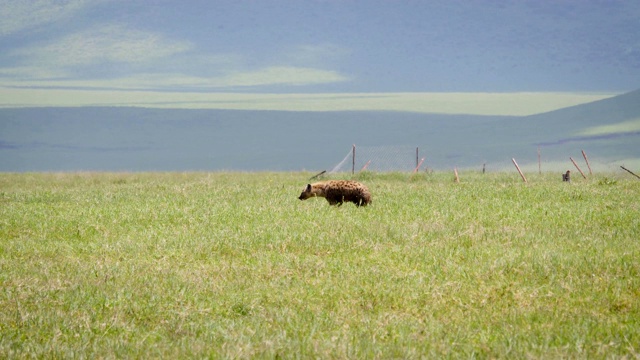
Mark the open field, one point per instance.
(233, 265)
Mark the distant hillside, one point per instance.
(137, 139)
(559, 134)
(566, 124)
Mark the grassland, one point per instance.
(232, 265)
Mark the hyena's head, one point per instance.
(306, 193)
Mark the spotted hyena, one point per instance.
(338, 191)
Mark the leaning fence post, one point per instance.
(418, 166)
(577, 167)
(629, 171)
(587, 161)
(455, 172)
(366, 166)
(518, 167)
(318, 174)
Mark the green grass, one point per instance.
(233, 265)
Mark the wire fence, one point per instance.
(407, 158)
(379, 158)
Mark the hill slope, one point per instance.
(137, 139)
(607, 129)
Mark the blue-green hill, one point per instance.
(139, 139)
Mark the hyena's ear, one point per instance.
(308, 188)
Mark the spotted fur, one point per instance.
(338, 191)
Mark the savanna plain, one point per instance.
(233, 265)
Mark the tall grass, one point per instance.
(228, 265)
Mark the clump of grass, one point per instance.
(607, 181)
(233, 265)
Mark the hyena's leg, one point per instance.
(332, 201)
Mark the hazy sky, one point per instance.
(50, 49)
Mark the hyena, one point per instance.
(338, 191)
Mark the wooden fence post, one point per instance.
(518, 167)
(629, 171)
(587, 161)
(318, 174)
(353, 160)
(539, 165)
(418, 166)
(577, 167)
(366, 166)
